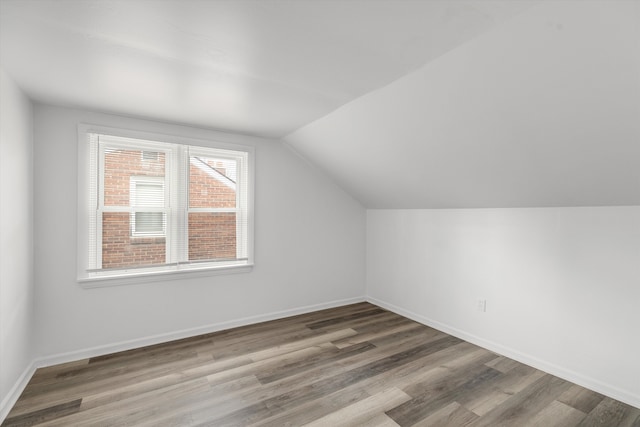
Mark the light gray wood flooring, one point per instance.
(357, 365)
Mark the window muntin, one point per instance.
(185, 207)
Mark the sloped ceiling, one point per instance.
(405, 104)
(542, 111)
(261, 67)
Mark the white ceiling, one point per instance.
(261, 67)
(542, 111)
(406, 104)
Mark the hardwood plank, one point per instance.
(431, 368)
(513, 381)
(580, 398)
(381, 420)
(315, 409)
(452, 415)
(523, 405)
(253, 343)
(447, 375)
(417, 334)
(361, 412)
(316, 360)
(343, 319)
(380, 322)
(556, 414)
(52, 371)
(366, 323)
(503, 364)
(42, 415)
(79, 376)
(134, 408)
(429, 398)
(610, 412)
(75, 389)
(301, 344)
(369, 336)
(182, 414)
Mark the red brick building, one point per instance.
(136, 179)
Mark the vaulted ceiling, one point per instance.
(263, 67)
(405, 104)
(542, 111)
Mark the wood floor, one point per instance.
(357, 365)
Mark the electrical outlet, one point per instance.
(482, 305)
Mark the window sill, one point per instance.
(147, 240)
(157, 276)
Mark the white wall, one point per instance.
(16, 239)
(309, 251)
(561, 284)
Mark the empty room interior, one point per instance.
(368, 212)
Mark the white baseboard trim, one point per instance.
(72, 356)
(12, 397)
(559, 371)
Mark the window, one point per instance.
(150, 156)
(146, 197)
(158, 205)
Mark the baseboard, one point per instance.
(72, 356)
(12, 397)
(185, 333)
(558, 371)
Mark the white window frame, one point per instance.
(89, 256)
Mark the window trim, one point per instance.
(87, 176)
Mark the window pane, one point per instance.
(150, 156)
(212, 235)
(212, 182)
(119, 166)
(119, 249)
(149, 223)
(148, 194)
